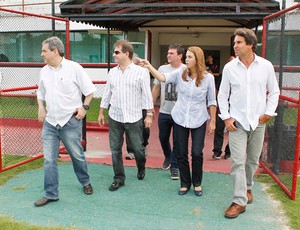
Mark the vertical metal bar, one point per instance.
(264, 37)
(68, 45)
(281, 42)
(84, 129)
(53, 14)
(1, 154)
(108, 48)
(296, 158)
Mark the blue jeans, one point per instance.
(70, 135)
(165, 125)
(134, 131)
(181, 142)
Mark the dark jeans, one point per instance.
(146, 135)
(134, 131)
(219, 137)
(181, 135)
(165, 125)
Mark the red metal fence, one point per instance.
(20, 139)
(280, 156)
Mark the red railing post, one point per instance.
(296, 158)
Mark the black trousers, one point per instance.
(181, 135)
(146, 135)
(219, 137)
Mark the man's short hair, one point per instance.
(55, 43)
(126, 47)
(249, 35)
(178, 47)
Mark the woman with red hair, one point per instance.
(196, 92)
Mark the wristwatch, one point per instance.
(86, 107)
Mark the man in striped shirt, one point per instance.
(126, 94)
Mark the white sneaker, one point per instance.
(129, 156)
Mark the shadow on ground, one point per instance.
(149, 204)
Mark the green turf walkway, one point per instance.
(149, 204)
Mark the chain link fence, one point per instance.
(21, 35)
(280, 156)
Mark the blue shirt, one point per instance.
(190, 110)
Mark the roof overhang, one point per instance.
(125, 15)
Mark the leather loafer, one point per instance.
(141, 174)
(116, 185)
(44, 201)
(249, 196)
(234, 210)
(88, 189)
(183, 192)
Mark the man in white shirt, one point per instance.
(126, 94)
(248, 98)
(61, 85)
(168, 98)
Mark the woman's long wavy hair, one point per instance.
(200, 65)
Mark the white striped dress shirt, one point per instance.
(127, 93)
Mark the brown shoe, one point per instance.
(249, 196)
(234, 210)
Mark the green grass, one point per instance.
(290, 116)
(290, 207)
(16, 107)
(8, 223)
(9, 159)
(6, 175)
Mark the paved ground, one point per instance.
(149, 204)
(98, 151)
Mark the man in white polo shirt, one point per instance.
(62, 83)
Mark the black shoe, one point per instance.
(216, 156)
(183, 192)
(166, 164)
(174, 174)
(141, 174)
(44, 201)
(88, 189)
(116, 185)
(227, 156)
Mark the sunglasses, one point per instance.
(117, 52)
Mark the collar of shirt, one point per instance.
(238, 60)
(127, 67)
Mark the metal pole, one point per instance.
(108, 48)
(53, 14)
(296, 156)
(84, 129)
(279, 126)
